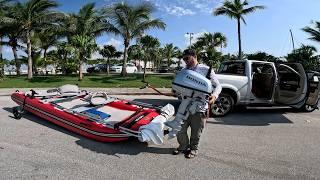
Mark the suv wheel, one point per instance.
(223, 105)
(308, 108)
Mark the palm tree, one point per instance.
(4, 5)
(198, 46)
(63, 52)
(130, 22)
(210, 56)
(135, 53)
(205, 47)
(47, 38)
(12, 30)
(216, 39)
(170, 51)
(262, 56)
(84, 28)
(84, 47)
(236, 9)
(150, 47)
(35, 15)
(306, 55)
(109, 51)
(179, 56)
(313, 32)
(13, 43)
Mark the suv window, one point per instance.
(234, 68)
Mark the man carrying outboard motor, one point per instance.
(196, 121)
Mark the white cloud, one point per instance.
(116, 43)
(178, 7)
(178, 11)
(203, 6)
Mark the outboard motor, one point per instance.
(194, 90)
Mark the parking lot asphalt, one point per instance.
(256, 143)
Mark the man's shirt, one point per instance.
(203, 69)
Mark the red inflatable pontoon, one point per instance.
(110, 122)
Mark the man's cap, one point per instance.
(189, 52)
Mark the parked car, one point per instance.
(131, 68)
(97, 69)
(163, 69)
(259, 83)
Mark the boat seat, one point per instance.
(68, 89)
(64, 91)
(73, 103)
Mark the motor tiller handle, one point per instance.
(147, 85)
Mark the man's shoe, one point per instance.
(191, 154)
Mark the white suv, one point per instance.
(259, 83)
(131, 68)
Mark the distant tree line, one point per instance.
(68, 40)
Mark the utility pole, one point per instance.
(190, 37)
(292, 39)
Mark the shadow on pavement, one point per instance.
(10, 111)
(240, 117)
(254, 117)
(130, 147)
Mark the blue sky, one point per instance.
(266, 30)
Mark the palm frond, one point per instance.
(315, 33)
(155, 23)
(251, 9)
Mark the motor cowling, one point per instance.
(191, 80)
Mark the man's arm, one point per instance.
(217, 87)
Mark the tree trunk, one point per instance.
(139, 69)
(80, 71)
(63, 68)
(1, 60)
(30, 74)
(45, 60)
(108, 66)
(239, 39)
(144, 71)
(15, 55)
(125, 54)
(34, 65)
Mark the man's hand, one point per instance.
(212, 99)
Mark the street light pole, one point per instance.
(292, 39)
(190, 36)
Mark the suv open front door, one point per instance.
(291, 87)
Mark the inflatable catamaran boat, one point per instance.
(95, 115)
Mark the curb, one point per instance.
(124, 94)
(110, 91)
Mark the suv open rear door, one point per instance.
(313, 88)
(291, 87)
